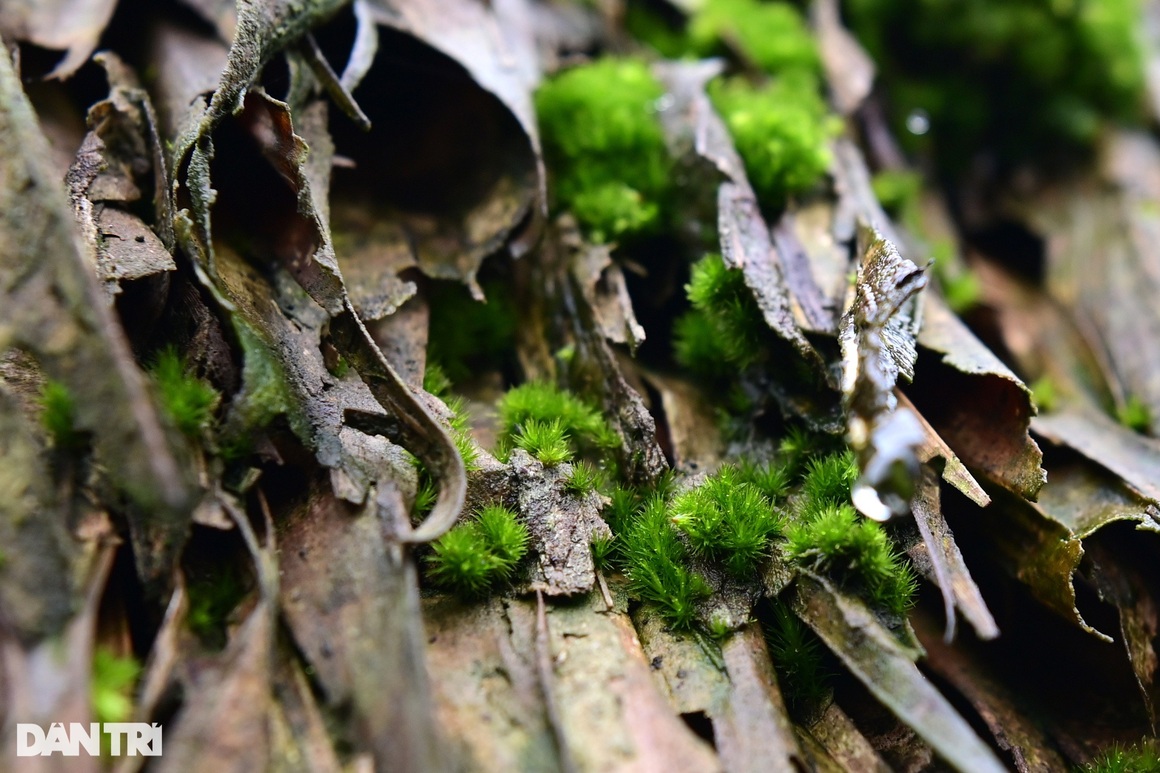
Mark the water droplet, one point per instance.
(918, 122)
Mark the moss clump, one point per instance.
(58, 416)
(897, 190)
(1143, 757)
(1044, 394)
(584, 479)
(829, 479)
(545, 440)
(656, 563)
(477, 556)
(827, 535)
(1017, 77)
(725, 329)
(111, 688)
(265, 396)
(727, 519)
(834, 539)
(584, 427)
(188, 400)
(605, 147)
(799, 659)
(212, 597)
(466, 336)
(771, 35)
(1134, 415)
(782, 132)
(435, 382)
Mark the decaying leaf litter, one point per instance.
(445, 385)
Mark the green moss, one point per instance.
(800, 661)
(211, 599)
(897, 190)
(656, 564)
(725, 330)
(584, 479)
(467, 337)
(1018, 78)
(111, 688)
(856, 552)
(666, 36)
(781, 130)
(545, 440)
(537, 401)
(1143, 757)
(264, 396)
(435, 380)
(829, 479)
(771, 35)
(1044, 394)
(1134, 414)
(58, 416)
(605, 147)
(771, 478)
(188, 400)
(727, 520)
(477, 556)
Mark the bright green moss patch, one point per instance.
(1017, 78)
(656, 563)
(1044, 394)
(584, 479)
(1134, 414)
(545, 440)
(111, 688)
(435, 382)
(728, 520)
(477, 556)
(188, 400)
(782, 132)
(829, 479)
(771, 35)
(605, 148)
(1143, 757)
(725, 329)
(856, 552)
(58, 415)
(537, 401)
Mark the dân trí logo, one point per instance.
(132, 739)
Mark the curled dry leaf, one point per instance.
(294, 234)
(464, 57)
(54, 309)
(1010, 725)
(943, 562)
(350, 598)
(118, 157)
(72, 26)
(880, 662)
